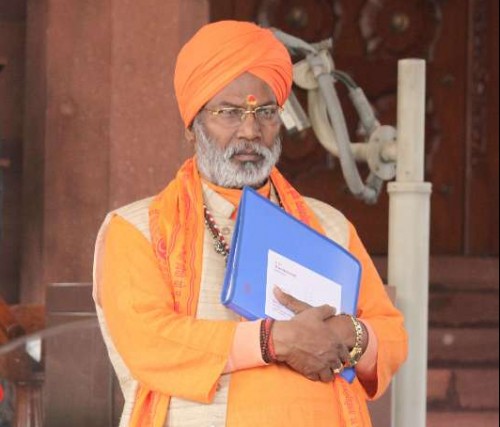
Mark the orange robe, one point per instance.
(173, 354)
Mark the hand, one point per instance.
(341, 326)
(307, 343)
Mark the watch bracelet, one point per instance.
(357, 351)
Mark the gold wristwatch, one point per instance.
(357, 351)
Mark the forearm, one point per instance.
(166, 351)
(173, 354)
(246, 350)
(366, 369)
(392, 348)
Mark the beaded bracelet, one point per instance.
(270, 344)
(266, 341)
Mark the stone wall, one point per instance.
(102, 126)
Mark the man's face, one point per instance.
(233, 151)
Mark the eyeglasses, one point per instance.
(266, 115)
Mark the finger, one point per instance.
(338, 368)
(290, 302)
(344, 355)
(326, 375)
(325, 311)
(313, 377)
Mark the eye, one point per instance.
(267, 113)
(230, 113)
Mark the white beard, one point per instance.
(218, 166)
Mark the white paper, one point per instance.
(300, 282)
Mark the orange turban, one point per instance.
(223, 51)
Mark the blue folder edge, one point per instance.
(228, 290)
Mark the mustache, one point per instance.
(246, 147)
(217, 163)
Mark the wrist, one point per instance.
(267, 348)
(282, 336)
(366, 337)
(349, 332)
(346, 332)
(360, 334)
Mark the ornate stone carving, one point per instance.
(392, 28)
(311, 21)
(479, 78)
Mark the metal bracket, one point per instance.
(380, 139)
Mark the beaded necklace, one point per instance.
(220, 244)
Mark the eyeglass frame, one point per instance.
(245, 112)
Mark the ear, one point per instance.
(189, 135)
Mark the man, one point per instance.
(182, 358)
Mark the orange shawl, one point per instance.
(177, 230)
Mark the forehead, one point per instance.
(239, 90)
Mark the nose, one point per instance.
(250, 128)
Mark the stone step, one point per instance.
(462, 419)
(456, 273)
(463, 389)
(463, 308)
(452, 347)
(463, 377)
(464, 273)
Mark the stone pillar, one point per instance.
(12, 42)
(102, 122)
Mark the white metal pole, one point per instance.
(408, 256)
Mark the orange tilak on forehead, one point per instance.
(251, 100)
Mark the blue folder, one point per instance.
(261, 226)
